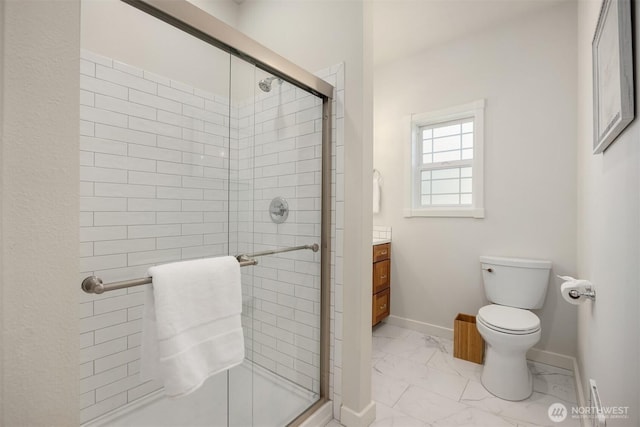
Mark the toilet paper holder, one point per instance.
(584, 288)
(589, 293)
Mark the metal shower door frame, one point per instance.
(189, 18)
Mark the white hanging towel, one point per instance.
(376, 191)
(191, 326)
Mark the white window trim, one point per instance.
(412, 123)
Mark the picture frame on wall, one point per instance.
(613, 107)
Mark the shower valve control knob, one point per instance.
(279, 210)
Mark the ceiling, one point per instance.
(405, 27)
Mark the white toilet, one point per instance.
(514, 286)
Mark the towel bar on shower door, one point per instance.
(94, 285)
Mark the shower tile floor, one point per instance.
(417, 382)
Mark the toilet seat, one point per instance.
(508, 320)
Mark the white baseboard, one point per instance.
(364, 418)
(550, 358)
(415, 325)
(321, 417)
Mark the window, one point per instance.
(445, 173)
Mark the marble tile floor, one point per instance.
(417, 382)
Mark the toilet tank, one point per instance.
(515, 282)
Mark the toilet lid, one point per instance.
(509, 319)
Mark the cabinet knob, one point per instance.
(383, 252)
(383, 277)
(382, 307)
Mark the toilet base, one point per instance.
(506, 374)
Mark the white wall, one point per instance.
(525, 70)
(224, 10)
(120, 31)
(1, 195)
(314, 35)
(608, 242)
(39, 243)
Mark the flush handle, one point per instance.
(489, 270)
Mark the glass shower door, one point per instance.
(190, 152)
(155, 128)
(241, 189)
(276, 170)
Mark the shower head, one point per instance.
(265, 84)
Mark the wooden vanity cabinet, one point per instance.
(381, 284)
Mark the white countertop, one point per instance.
(380, 241)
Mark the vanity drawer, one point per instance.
(381, 282)
(381, 252)
(381, 275)
(381, 306)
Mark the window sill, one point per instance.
(445, 213)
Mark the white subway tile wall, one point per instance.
(170, 172)
(152, 192)
(381, 232)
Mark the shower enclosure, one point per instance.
(198, 142)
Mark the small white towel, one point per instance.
(191, 326)
(376, 191)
